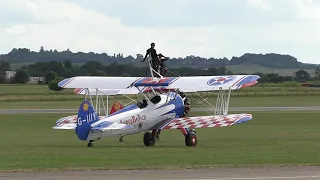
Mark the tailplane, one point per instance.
(86, 117)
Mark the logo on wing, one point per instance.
(220, 80)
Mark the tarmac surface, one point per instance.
(300, 108)
(261, 173)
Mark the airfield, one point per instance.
(209, 173)
(280, 142)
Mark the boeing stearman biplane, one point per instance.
(164, 106)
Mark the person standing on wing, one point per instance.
(162, 68)
(155, 60)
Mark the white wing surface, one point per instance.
(96, 82)
(126, 85)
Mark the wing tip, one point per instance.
(244, 119)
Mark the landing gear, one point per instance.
(90, 144)
(158, 134)
(149, 139)
(121, 139)
(193, 130)
(191, 139)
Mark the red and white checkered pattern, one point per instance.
(205, 121)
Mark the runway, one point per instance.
(241, 109)
(261, 173)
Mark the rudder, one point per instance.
(86, 117)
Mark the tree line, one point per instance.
(271, 60)
(55, 71)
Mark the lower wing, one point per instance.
(206, 121)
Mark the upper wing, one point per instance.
(93, 92)
(126, 85)
(210, 83)
(109, 92)
(205, 121)
(95, 82)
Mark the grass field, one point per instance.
(271, 138)
(234, 102)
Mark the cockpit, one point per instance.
(144, 103)
(156, 99)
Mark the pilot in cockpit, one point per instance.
(142, 104)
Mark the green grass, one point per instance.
(250, 69)
(234, 102)
(271, 138)
(29, 89)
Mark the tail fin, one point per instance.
(86, 117)
(116, 107)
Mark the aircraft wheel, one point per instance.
(149, 139)
(191, 139)
(121, 139)
(193, 130)
(90, 144)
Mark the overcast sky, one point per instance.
(208, 28)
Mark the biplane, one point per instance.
(164, 105)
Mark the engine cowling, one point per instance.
(186, 103)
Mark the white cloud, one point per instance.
(262, 4)
(205, 28)
(308, 10)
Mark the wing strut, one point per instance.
(151, 69)
(221, 106)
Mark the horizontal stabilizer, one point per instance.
(68, 122)
(65, 127)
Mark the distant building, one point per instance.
(35, 80)
(10, 75)
(32, 80)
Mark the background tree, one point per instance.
(5, 66)
(302, 75)
(97, 73)
(317, 73)
(53, 85)
(271, 60)
(2, 76)
(49, 76)
(67, 64)
(92, 66)
(20, 77)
